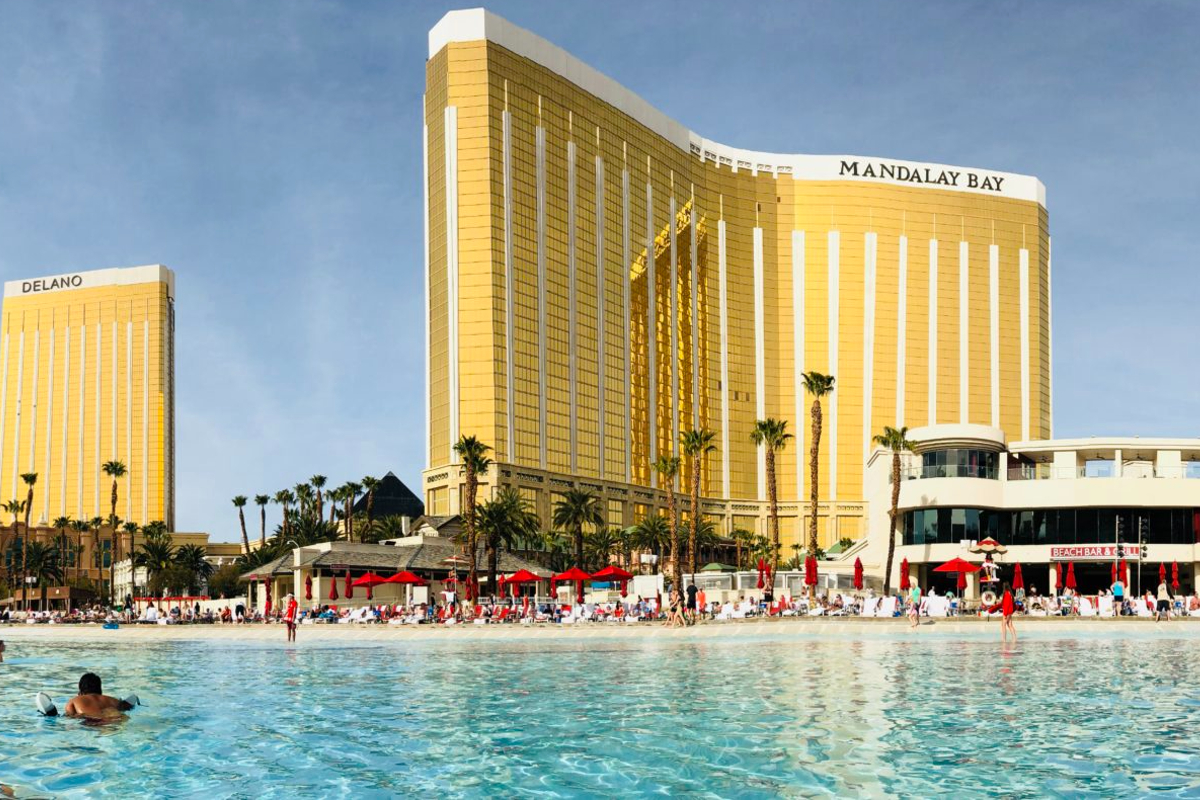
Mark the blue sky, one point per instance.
(270, 153)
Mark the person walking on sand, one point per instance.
(291, 611)
(914, 605)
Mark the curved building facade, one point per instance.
(600, 279)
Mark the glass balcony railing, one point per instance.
(950, 471)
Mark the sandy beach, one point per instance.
(851, 628)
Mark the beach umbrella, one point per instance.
(1018, 579)
(1124, 572)
(761, 565)
(308, 587)
(904, 574)
(406, 577)
(1058, 578)
(1175, 575)
(369, 580)
(333, 592)
(961, 567)
(1114, 573)
(348, 589)
(716, 566)
(858, 574)
(574, 574)
(1162, 572)
(961, 583)
(989, 545)
(1071, 576)
(614, 573)
(810, 571)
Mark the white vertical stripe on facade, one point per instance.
(674, 339)
(572, 358)
(66, 410)
(428, 362)
(509, 295)
(3, 397)
(627, 321)
(760, 360)
(45, 476)
(798, 353)
(82, 416)
(694, 351)
(870, 258)
(994, 308)
(146, 419)
(724, 316)
(901, 331)
(1025, 393)
(964, 327)
(129, 417)
(450, 139)
(601, 349)
(99, 425)
(1050, 329)
(651, 332)
(835, 241)
(116, 453)
(933, 332)
(17, 425)
(540, 157)
(33, 406)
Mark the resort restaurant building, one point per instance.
(1051, 503)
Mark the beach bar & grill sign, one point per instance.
(1094, 552)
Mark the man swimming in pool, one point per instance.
(92, 703)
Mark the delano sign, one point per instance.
(955, 179)
(51, 284)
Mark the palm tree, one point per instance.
(370, 484)
(131, 530)
(576, 509)
(155, 555)
(818, 385)
(668, 468)
(652, 534)
(14, 507)
(741, 540)
(29, 478)
(80, 526)
(504, 521)
(896, 440)
(261, 501)
(304, 500)
(42, 563)
(599, 546)
(473, 454)
(696, 444)
(772, 436)
(318, 482)
(284, 498)
(191, 557)
(239, 503)
(351, 497)
(61, 524)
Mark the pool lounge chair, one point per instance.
(1086, 609)
(1106, 606)
(887, 607)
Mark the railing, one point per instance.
(1042, 472)
(949, 471)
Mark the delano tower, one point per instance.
(600, 278)
(86, 377)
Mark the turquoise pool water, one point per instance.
(897, 715)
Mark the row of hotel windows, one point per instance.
(1052, 525)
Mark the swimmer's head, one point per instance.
(90, 684)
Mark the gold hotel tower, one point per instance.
(87, 376)
(599, 278)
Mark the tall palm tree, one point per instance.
(818, 385)
(239, 503)
(29, 478)
(61, 524)
(80, 527)
(741, 540)
(696, 445)
(370, 484)
(318, 482)
(577, 509)
(896, 440)
(304, 501)
(473, 455)
(352, 492)
(261, 501)
(284, 498)
(131, 531)
(14, 507)
(193, 560)
(599, 546)
(652, 534)
(42, 563)
(771, 435)
(156, 555)
(504, 521)
(668, 468)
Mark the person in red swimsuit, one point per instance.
(1007, 607)
(289, 617)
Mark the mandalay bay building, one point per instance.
(599, 279)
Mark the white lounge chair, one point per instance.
(1086, 609)
(870, 606)
(887, 607)
(1106, 606)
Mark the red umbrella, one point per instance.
(406, 577)
(962, 581)
(761, 565)
(904, 574)
(573, 574)
(858, 573)
(1162, 572)
(333, 593)
(369, 580)
(1114, 573)
(348, 590)
(959, 566)
(1175, 575)
(1018, 579)
(614, 573)
(1124, 572)
(1071, 576)
(810, 571)
(308, 587)
(1058, 578)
